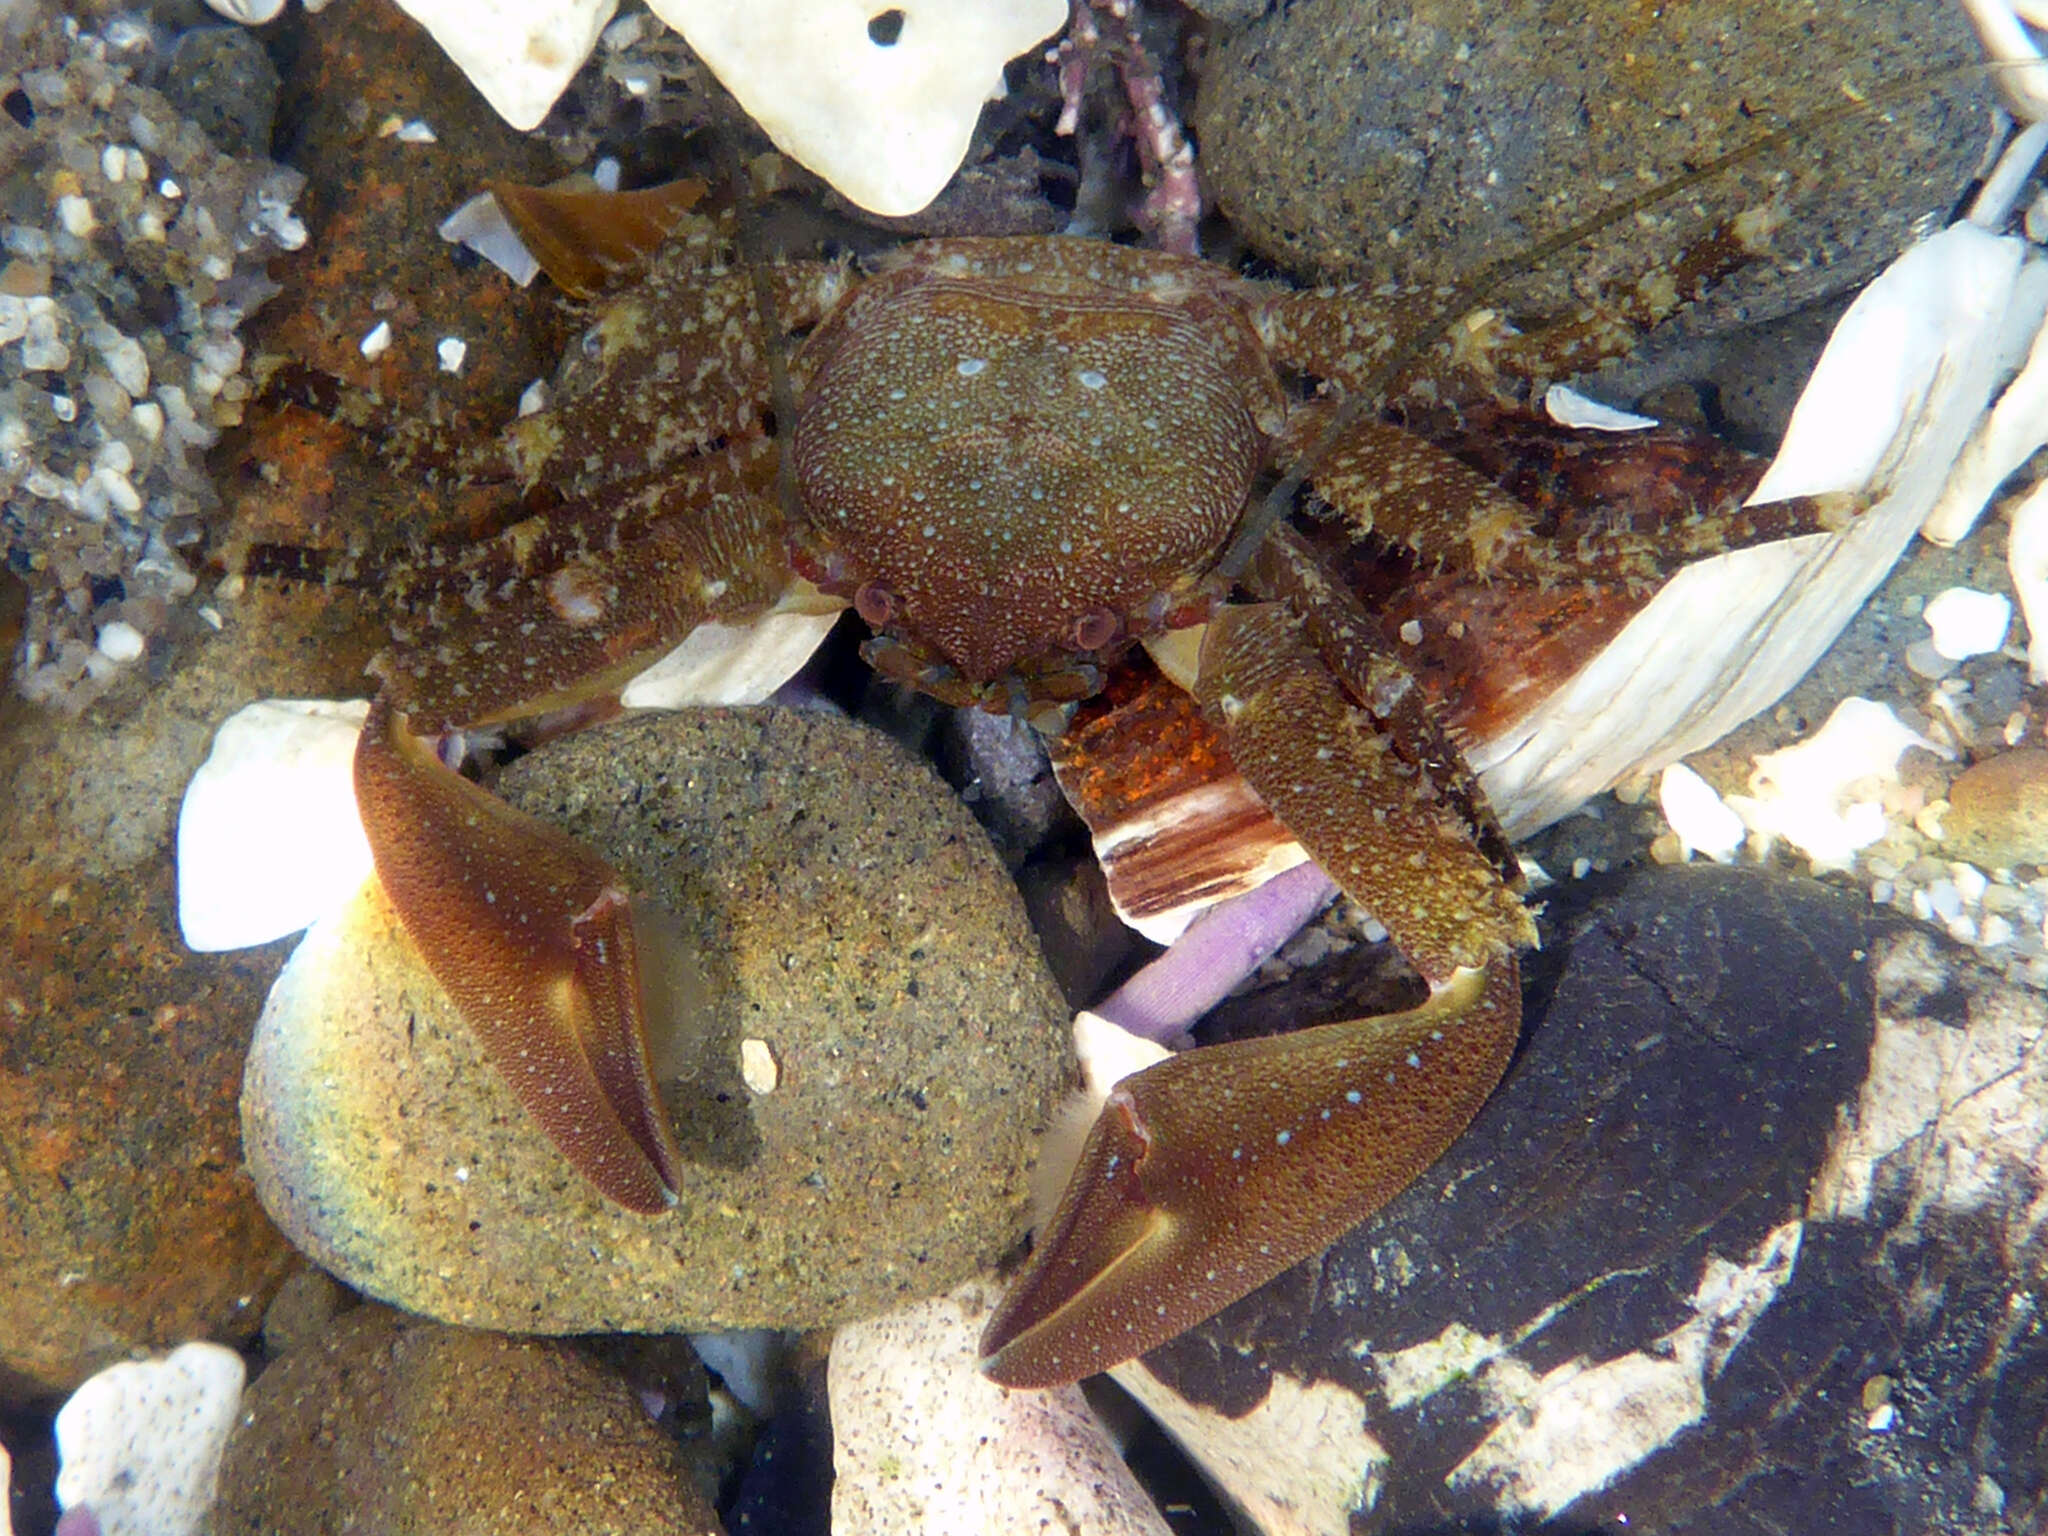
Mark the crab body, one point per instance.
(1015, 459)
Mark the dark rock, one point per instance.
(221, 78)
(787, 1488)
(1000, 767)
(1747, 1241)
(398, 1426)
(1354, 139)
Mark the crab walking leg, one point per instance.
(532, 934)
(1210, 1173)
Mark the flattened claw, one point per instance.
(1212, 1172)
(533, 936)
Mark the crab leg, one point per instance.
(534, 936)
(1212, 1172)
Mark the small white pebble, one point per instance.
(1970, 882)
(149, 419)
(606, 174)
(534, 398)
(1966, 622)
(1581, 867)
(451, 350)
(418, 132)
(64, 408)
(758, 1068)
(169, 190)
(1411, 632)
(1994, 931)
(378, 341)
(120, 641)
(76, 215)
(1882, 1418)
(113, 164)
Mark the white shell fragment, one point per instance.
(1568, 408)
(883, 112)
(376, 341)
(250, 13)
(1965, 622)
(268, 836)
(922, 1441)
(1699, 817)
(1824, 795)
(731, 664)
(140, 1443)
(519, 54)
(1109, 1054)
(2026, 557)
(481, 225)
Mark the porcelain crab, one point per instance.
(1016, 459)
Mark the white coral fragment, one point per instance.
(878, 99)
(1824, 795)
(269, 838)
(140, 1443)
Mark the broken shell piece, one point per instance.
(881, 102)
(758, 1068)
(519, 54)
(1966, 622)
(250, 13)
(1821, 794)
(481, 225)
(1568, 408)
(2026, 556)
(1699, 817)
(268, 835)
(140, 1443)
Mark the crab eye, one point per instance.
(1094, 629)
(875, 603)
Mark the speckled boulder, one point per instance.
(126, 1220)
(1362, 139)
(391, 1425)
(855, 922)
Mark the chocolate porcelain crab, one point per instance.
(1016, 459)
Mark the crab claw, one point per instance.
(1212, 1172)
(534, 938)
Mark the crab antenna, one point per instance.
(1472, 290)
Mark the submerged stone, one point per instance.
(850, 916)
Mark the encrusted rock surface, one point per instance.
(854, 919)
(126, 1219)
(390, 1424)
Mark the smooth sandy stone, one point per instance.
(856, 921)
(1998, 811)
(1367, 139)
(397, 1426)
(922, 1441)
